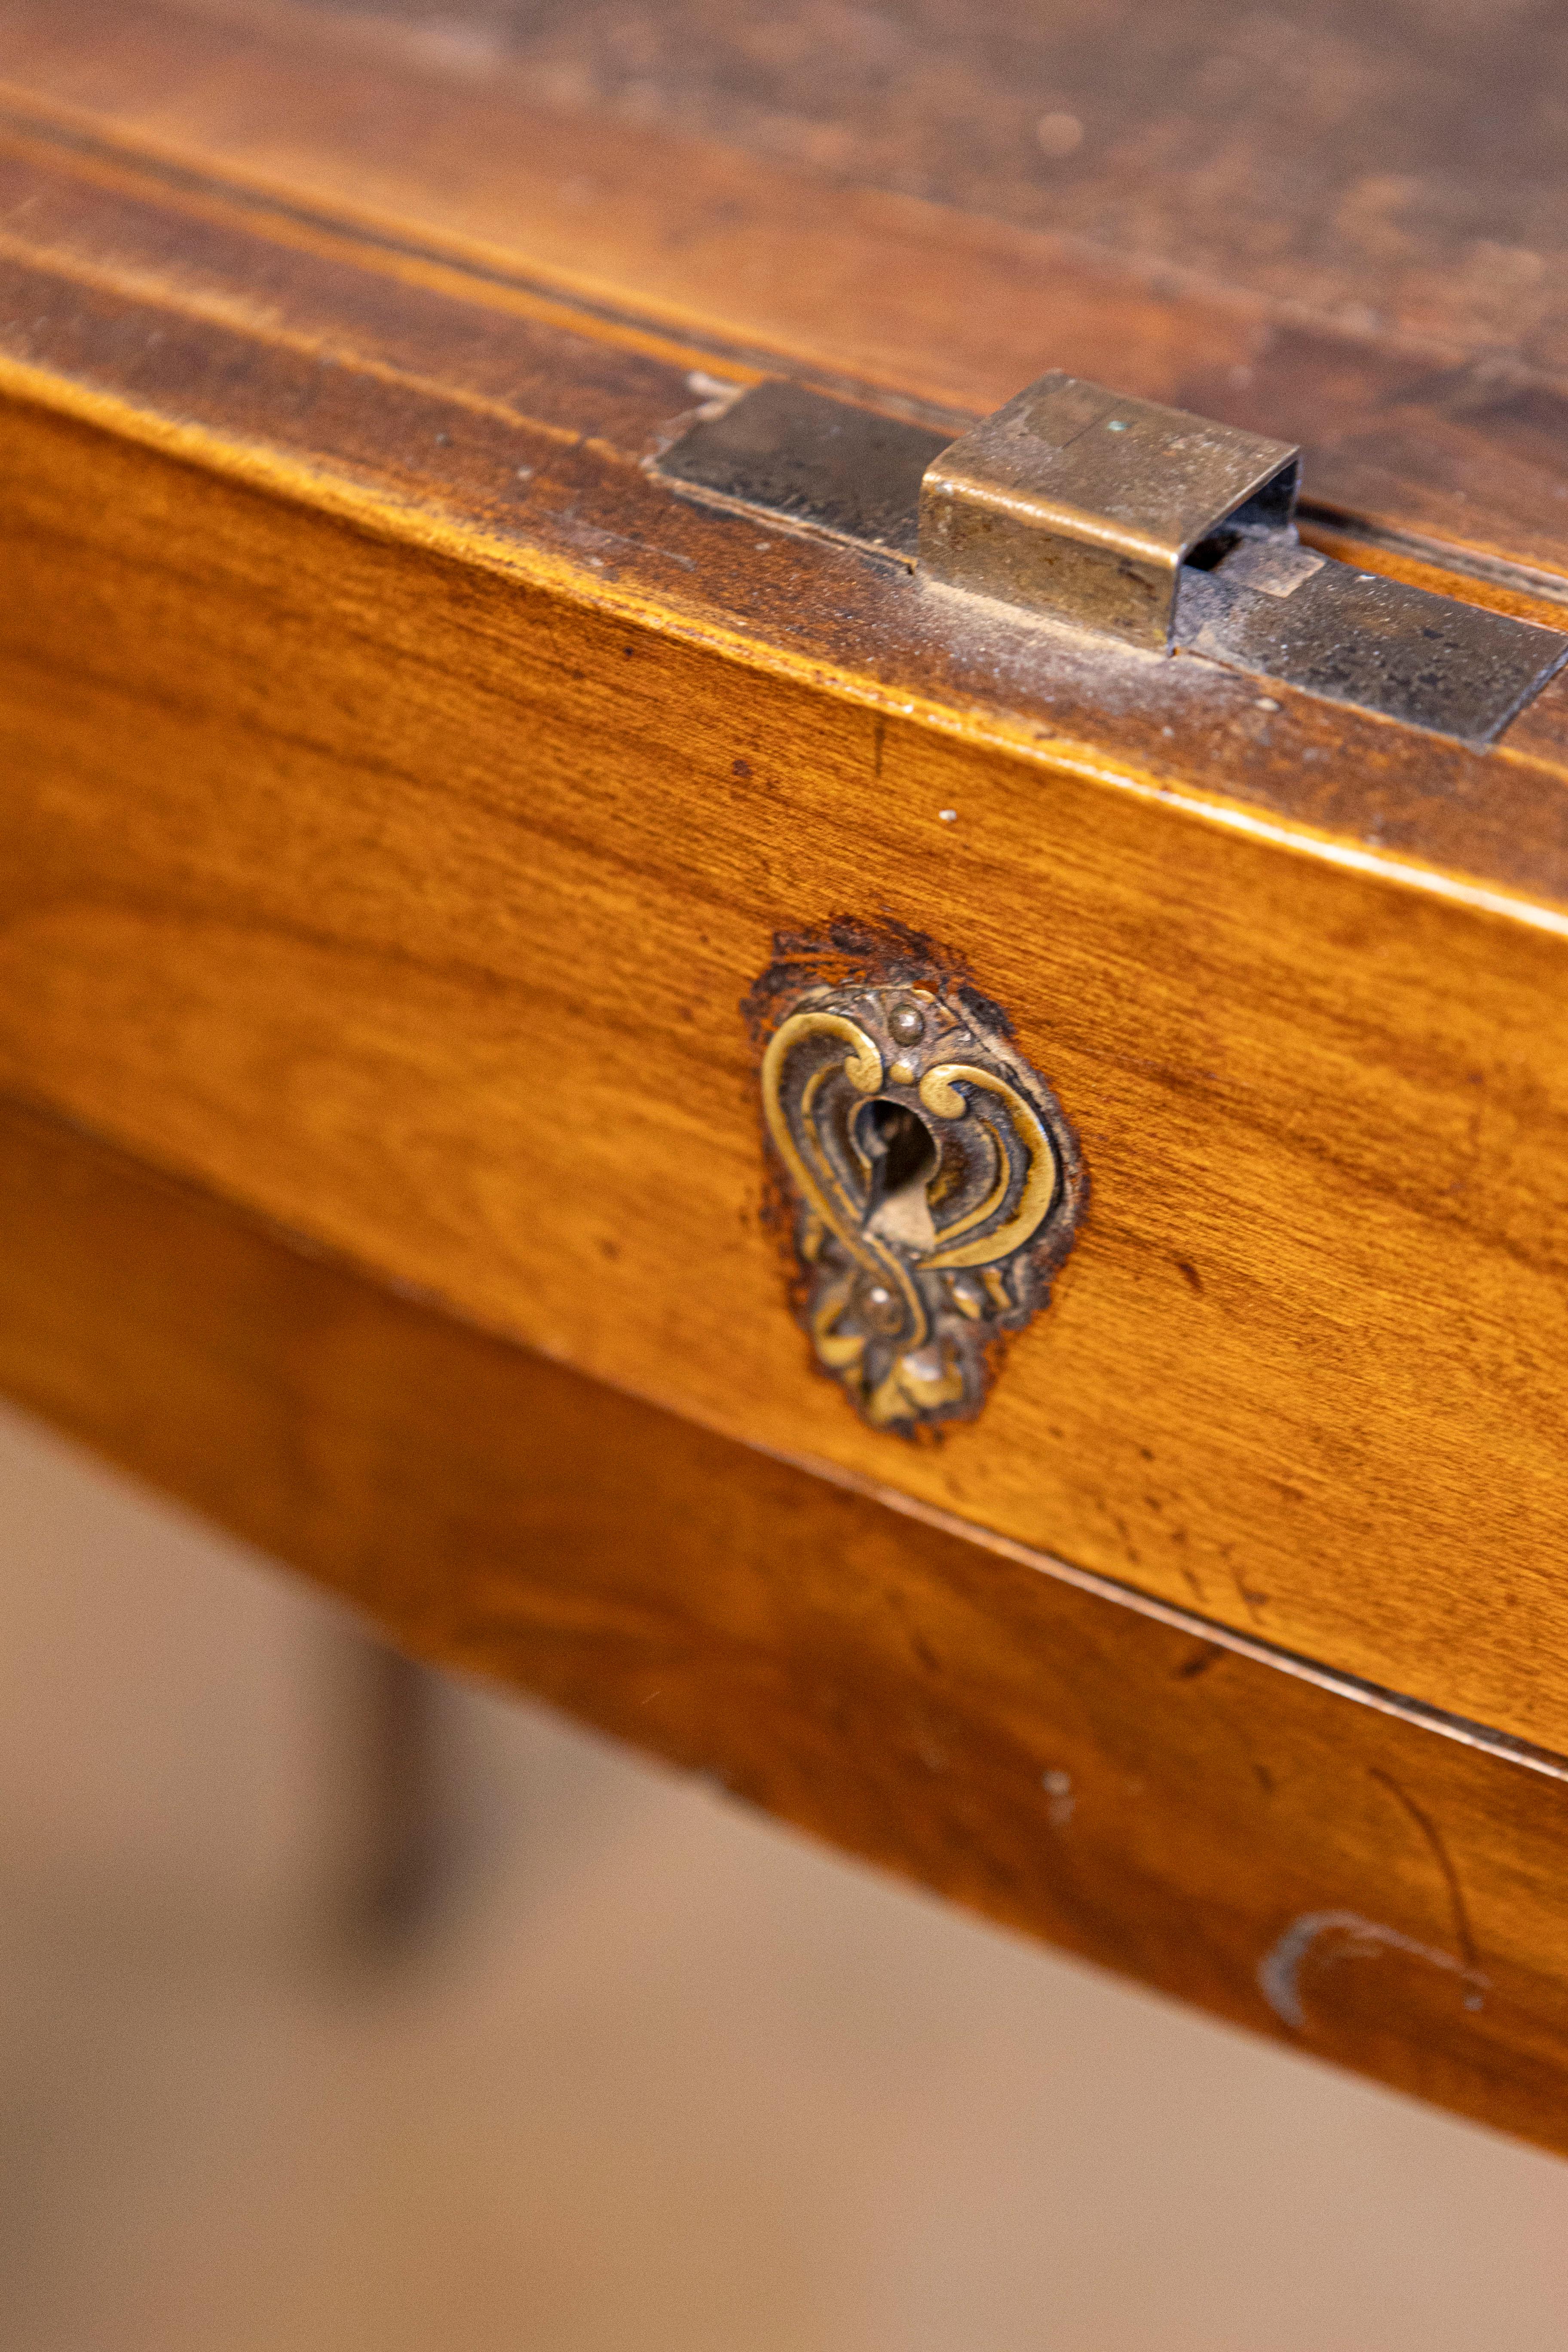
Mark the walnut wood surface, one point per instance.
(1198, 1821)
(156, 308)
(1306, 224)
(401, 790)
(319, 885)
(1393, 168)
(392, 834)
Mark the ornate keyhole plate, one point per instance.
(934, 1183)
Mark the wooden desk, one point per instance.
(406, 789)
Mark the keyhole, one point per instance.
(901, 1148)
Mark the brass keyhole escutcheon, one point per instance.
(933, 1180)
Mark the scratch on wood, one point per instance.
(1432, 1835)
(1279, 1970)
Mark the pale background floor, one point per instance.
(661, 2075)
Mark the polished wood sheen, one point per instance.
(1356, 1887)
(403, 791)
(394, 952)
(1303, 225)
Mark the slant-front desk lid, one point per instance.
(859, 730)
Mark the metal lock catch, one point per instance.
(1074, 503)
(1168, 532)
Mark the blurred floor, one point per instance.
(663, 2075)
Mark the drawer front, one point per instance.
(414, 905)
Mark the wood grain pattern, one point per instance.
(1414, 340)
(391, 950)
(403, 789)
(1356, 1887)
(304, 360)
(402, 792)
(1345, 162)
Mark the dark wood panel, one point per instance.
(1216, 239)
(1399, 168)
(1355, 1885)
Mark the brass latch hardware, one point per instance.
(1167, 531)
(1072, 503)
